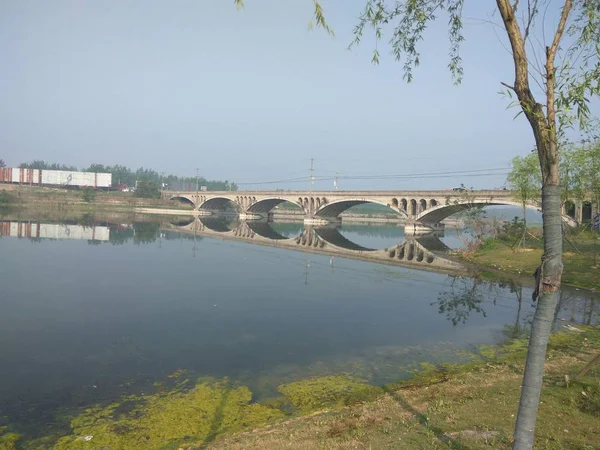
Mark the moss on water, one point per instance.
(167, 419)
(322, 392)
(8, 441)
(190, 415)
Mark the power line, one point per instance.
(312, 173)
(449, 174)
(453, 172)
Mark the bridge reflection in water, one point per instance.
(422, 252)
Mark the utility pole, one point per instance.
(312, 172)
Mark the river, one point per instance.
(94, 310)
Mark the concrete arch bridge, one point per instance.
(424, 253)
(423, 211)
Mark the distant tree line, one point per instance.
(39, 164)
(125, 175)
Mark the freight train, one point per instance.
(57, 178)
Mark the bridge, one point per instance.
(422, 253)
(422, 211)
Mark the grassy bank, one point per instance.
(461, 406)
(581, 268)
(64, 200)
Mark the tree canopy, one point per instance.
(525, 178)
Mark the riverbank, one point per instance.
(581, 259)
(60, 200)
(464, 406)
(461, 406)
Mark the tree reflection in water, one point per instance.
(464, 296)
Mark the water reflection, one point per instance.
(422, 251)
(36, 230)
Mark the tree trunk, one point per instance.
(522, 243)
(548, 277)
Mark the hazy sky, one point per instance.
(248, 95)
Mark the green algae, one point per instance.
(8, 441)
(322, 392)
(168, 419)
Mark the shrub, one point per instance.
(6, 198)
(88, 195)
(147, 189)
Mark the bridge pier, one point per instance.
(322, 221)
(417, 228)
(250, 216)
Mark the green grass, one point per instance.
(580, 269)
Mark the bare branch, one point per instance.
(544, 23)
(560, 29)
(490, 22)
(531, 13)
(518, 50)
(550, 68)
(508, 86)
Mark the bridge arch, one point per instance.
(265, 205)
(404, 205)
(184, 200)
(335, 208)
(219, 204)
(413, 207)
(440, 212)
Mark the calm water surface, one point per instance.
(91, 313)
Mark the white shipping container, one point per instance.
(55, 177)
(16, 175)
(104, 180)
(79, 179)
(83, 179)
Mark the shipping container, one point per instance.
(61, 178)
(104, 180)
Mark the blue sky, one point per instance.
(249, 95)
